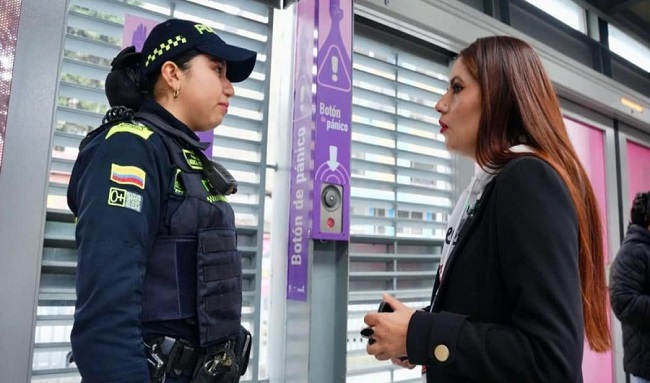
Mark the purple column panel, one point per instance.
(333, 112)
(300, 192)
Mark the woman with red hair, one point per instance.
(521, 279)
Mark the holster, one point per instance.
(170, 357)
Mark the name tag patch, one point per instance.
(192, 160)
(124, 198)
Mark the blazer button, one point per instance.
(441, 352)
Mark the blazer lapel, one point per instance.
(465, 231)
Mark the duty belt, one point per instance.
(177, 357)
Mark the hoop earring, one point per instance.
(176, 92)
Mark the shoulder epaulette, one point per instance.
(129, 127)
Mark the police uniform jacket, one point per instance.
(508, 308)
(629, 290)
(124, 191)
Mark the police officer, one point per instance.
(159, 275)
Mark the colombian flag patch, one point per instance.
(128, 175)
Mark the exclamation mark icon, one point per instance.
(335, 68)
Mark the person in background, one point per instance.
(521, 277)
(629, 290)
(159, 276)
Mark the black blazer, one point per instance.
(629, 291)
(509, 306)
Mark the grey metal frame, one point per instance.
(279, 113)
(260, 222)
(626, 133)
(453, 25)
(24, 178)
(316, 342)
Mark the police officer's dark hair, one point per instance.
(125, 84)
(640, 212)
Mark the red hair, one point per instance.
(519, 105)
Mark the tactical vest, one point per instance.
(194, 268)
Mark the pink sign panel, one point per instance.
(136, 30)
(638, 171)
(589, 144)
(9, 18)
